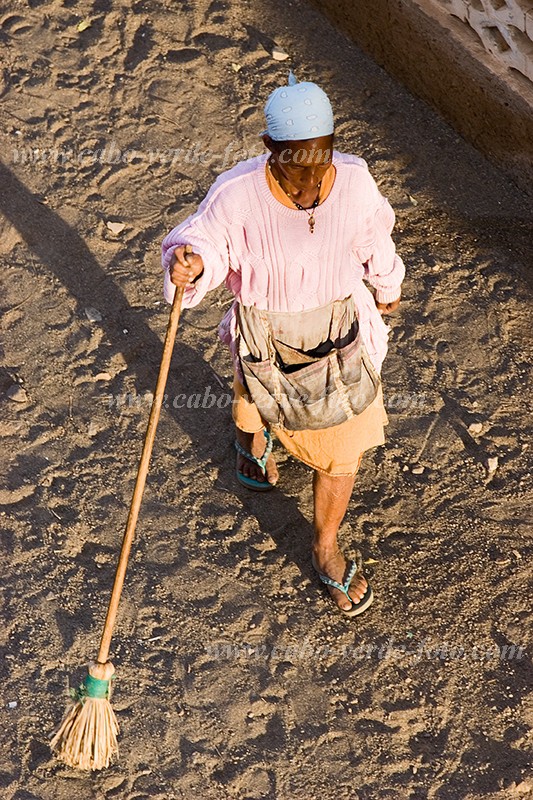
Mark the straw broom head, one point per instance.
(87, 738)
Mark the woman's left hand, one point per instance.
(387, 308)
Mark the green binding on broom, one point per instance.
(92, 687)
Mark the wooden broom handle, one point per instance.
(142, 472)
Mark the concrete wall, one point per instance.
(471, 59)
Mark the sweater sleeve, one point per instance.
(206, 232)
(384, 270)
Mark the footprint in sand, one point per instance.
(213, 13)
(140, 48)
(214, 41)
(15, 25)
(77, 80)
(183, 56)
(256, 782)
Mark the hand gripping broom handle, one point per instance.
(142, 472)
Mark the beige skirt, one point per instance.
(333, 451)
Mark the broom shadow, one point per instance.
(62, 250)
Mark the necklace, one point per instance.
(309, 211)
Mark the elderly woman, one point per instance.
(293, 233)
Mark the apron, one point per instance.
(306, 370)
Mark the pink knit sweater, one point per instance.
(268, 258)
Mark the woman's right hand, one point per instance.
(185, 266)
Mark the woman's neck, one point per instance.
(306, 199)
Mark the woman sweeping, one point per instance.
(294, 233)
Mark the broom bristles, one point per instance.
(87, 737)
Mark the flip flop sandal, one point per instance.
(251, 483)
(367, 599)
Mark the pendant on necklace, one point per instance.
(311, 216)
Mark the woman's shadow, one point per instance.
(62, 251)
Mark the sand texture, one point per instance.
(236, 678)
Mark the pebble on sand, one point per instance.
(92, 314)
(475, 427)
(115, 227)
(492, 464)
(278, 54)
(92, 430)
(17, 393)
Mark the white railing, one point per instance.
(505, 27)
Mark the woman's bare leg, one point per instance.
(331, 497)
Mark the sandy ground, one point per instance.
(235, 676)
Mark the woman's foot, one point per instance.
(335, 566)
(255, 443)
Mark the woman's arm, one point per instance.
(205, 232)
(385, 270)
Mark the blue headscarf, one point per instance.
(298, 111)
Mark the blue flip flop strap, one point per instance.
(341, 587)
(261, 462)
